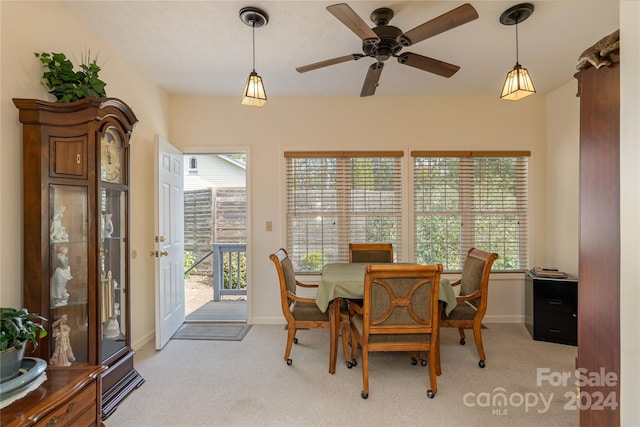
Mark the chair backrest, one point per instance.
(286, 277)
(400, 302)
(371, 252)
(475, 276)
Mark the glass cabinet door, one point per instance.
(68, 265)
(112, 269)
(113, 250)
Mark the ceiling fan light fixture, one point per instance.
(518, 83)
(254, 94)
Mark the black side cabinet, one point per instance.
(551, 308)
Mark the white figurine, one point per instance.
(107, 226)
(57, 231)
(62, 274)
(112, 328)
(63, 353)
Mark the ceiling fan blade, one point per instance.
(326, 63)
(348, 17)
(372, 78)
(431, 65)
(454, 18)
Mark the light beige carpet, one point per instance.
(247, 383)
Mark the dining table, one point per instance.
(342, 280)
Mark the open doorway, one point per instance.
(215, 235)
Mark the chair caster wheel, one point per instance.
(354, 362)
(414, 361)
(349, 364)
(481, 363)
(430, 394)
(461, 341)
(295, 340)
(289, 362)
(364, 395)
(423, 362)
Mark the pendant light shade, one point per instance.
(518, 83)
(254, 94)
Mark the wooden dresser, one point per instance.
(69, 397)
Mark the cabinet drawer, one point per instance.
(69, 411)
(87, 418)
(555, 328)
(559, 305)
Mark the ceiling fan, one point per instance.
(385, 41)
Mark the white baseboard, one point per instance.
(145, 339)
(503, 319)
(268, 320)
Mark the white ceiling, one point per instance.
(203, 48)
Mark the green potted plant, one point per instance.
(66, 84)
(17, 329)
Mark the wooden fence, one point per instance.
(213, 215)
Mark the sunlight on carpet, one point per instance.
(211, 331)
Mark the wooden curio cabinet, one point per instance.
(76, 235)
(599, 262)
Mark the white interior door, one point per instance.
(169, 241)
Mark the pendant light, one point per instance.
(518, 83)
(254, 94)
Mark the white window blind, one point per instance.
(470, 199)
(337, 198)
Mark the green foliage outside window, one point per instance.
(235, 271)
(189, 260)
(313, 261)
(381, 229)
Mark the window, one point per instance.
(193, 165)
(470, 199)
(337, 198)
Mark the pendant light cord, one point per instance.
(253, 29)
(517, 60)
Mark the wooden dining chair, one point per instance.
(472, 301)
(371, 252)
(399, 313)
(302, 312)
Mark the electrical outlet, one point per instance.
(269, 226)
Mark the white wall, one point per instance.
(352, 123)
(630, 211)
(28, 27)
(563, 156)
